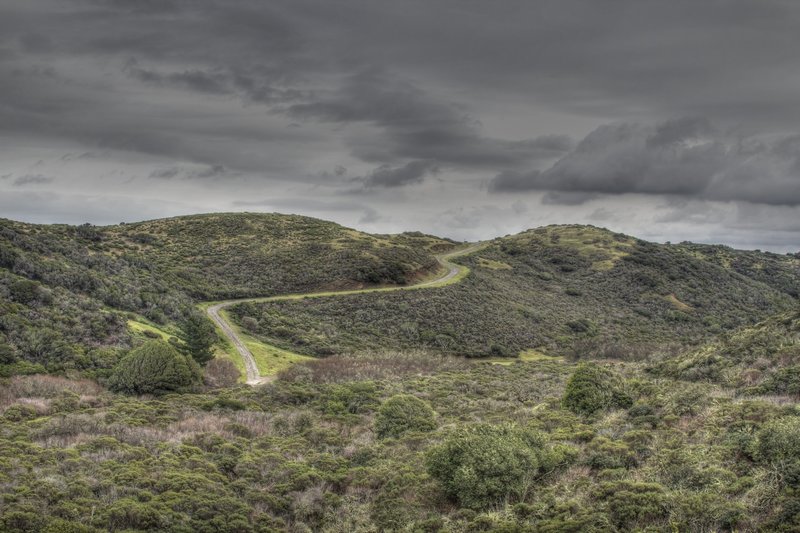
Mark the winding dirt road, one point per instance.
(253, 375)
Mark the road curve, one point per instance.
(253, 375)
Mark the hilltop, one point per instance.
(572, 289)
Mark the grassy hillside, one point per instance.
(67, 292)
(561, 289)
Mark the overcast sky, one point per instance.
(669, 120)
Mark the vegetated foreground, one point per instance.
(690, 425)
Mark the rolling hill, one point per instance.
(579, 290)
(66, 292)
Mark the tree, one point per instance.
(154, 368)
(403, 413)
(198, 336)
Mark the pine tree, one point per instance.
(197, 337)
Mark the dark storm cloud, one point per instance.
(680, 157)
(415, 125)
(413, 172)
(272, 93)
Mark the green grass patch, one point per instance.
(491, 264)
(140, 327)
(269, 359)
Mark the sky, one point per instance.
(668, 120)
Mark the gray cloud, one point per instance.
(247, 98)
(32, 179)
(413, 172)
(682, 157)
(415, 125)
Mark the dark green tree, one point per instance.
(154, 368)
(198, 336)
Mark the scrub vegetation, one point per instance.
(69, 293)
(611, 385)
(565, 290)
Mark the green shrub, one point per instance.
(778, 441)
(633, 504)
(403, 413)
(592, 388)
(481, 465)
(154, 368)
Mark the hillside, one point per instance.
(398, 436)
(66, 292)
(559, 289)
(760, 359)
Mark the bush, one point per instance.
(778, 441)
(155, 367)
(593, 388)
(480, 465)
(403, 413)
(632, 505)
(221, 373)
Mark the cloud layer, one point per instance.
(404, 111)
(686, 157)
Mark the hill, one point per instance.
(66, 292)
(397, 438)
(574, 289)
(760, 359)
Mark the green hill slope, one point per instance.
(559, 288)
(760, 359)
(63, 288)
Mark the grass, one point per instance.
(269, 359)
(140, 326)
(492, 264)
(525, 356)
(679, 305)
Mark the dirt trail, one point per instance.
(253, 375)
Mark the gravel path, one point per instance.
(254, 377)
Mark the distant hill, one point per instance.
(63, 288)
(575, 289)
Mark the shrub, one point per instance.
(592, 388)
(483, 464)
(403, 413)
(632, 504)
(778, 441)
(155, 367)
(221, 373)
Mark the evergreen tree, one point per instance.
(198, 337)
(154, 368)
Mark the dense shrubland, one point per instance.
(486, 448)
(563, 289)
(66, 292)
(390, 431)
